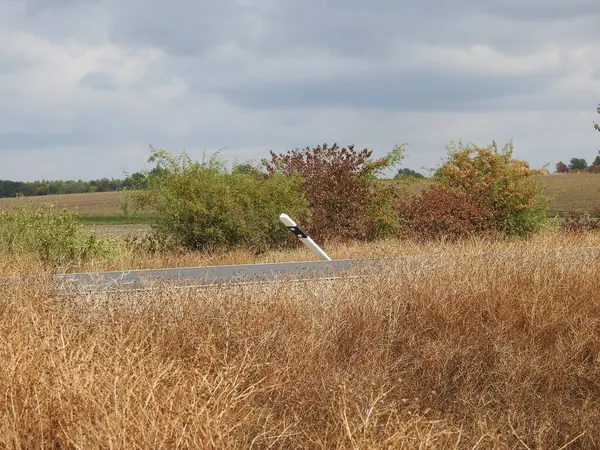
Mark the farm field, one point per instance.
(99, 211)
(92, 204)
(573, 193)
(456, 355)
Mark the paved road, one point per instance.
(212, 275)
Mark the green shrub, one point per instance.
(340, 185)
(204, 206)
(55, 237)
(492, 175)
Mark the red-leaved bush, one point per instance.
(339, 186)
(439, 212)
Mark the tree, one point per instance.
(578, 164)
(406, 172)
(597, 160)
(561, 167)
(245, 168)
(136, 180)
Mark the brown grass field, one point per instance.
(96, 204)
(573, 193)
(453, 353)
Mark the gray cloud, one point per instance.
(99, 81)
(408, 92)
(537, 10)
(188, 28)
(11, 64)
(21, 141)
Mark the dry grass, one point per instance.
(127, 260)
(381, 249)
(450, 354)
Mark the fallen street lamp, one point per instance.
(306, 240)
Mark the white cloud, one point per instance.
(478, 58)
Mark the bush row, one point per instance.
(334, 193)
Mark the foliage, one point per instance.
(493, 176)
(200, 205)
(561, 167)
(136, 180)
(440, 212)
(139, 180)
(147, 244)
(578, 164)
(597, 125)
(56, 238)
(10, 188)
(581, 223)
(597, 160)
(406, 172)
(45, 187)
(245, 169)
(593, 169)
(541, 171)
(339, 184)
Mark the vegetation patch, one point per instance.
(54, 237)
(201, 205)
(478, 190)
(116, 219)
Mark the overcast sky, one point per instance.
(87, 85)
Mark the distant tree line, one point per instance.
(406, 172)
(10, 188)
(579, 164)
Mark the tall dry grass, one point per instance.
(446, 352)
(391, 248)
(123, 259)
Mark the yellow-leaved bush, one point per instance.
(487, 180)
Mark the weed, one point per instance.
(56, 238)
